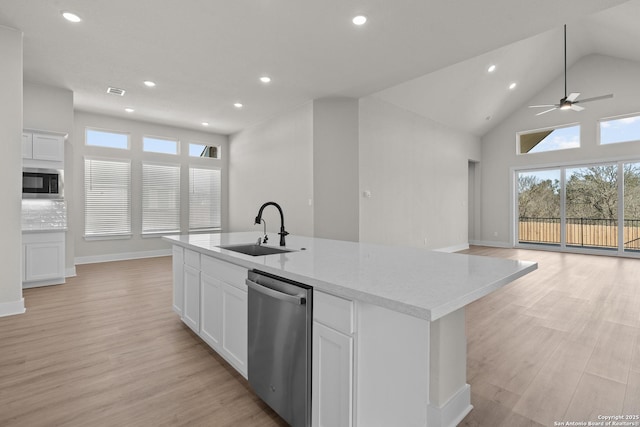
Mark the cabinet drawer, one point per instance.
(192, 258)
(226, 272)
(335, 312)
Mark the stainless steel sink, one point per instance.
(254, 250)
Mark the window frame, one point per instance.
(87, 129)
(155, 233)
(218, 149)
(551, 128)
(612, 118)
(620, 251)
(105, 235)
(161, 138)
(218, 227)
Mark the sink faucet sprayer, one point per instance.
(282, 232)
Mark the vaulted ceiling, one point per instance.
(205, 55)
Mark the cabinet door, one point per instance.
(211, 310)
(48, 147)
(27, 146)
(178, 277)
(235, 332)
(191, 309)
(44, 261)
(332, 377)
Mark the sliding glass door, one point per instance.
(539, 207)
(631, 234)
(591, 207)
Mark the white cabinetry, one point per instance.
(191, 283)
(234, 326)
(211, 297)
(43, 146)
(224, 310)
(211, 328)
(27, 145)
(178, 279)
(332, 370)
(43, 259)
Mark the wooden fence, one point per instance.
(600, 233)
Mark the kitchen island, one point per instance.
(389, 344)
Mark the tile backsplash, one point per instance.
(44, 215)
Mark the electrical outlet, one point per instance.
(495, 234)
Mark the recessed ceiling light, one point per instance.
(512, 86)
(491, 68)
(359, 20)
(71, 17)
(265, 79)
(238, 105)
(129, 110)
(205, 124)
(149, 83)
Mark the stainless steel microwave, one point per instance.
(42, 184)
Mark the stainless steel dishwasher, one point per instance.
(279, 347)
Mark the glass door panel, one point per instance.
(631, 233)
(592, 207)
(539, 207)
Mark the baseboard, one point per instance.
(454, 248)
(453, 412)
(12, 307)
(70, 272)
(41, 283)
(122, 256)
(491, 244)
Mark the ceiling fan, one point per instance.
(569, 102)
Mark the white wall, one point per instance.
(416, 171)
(335, 168)
(273, 161)
(592, 75)
(96, 250)
(51, 108)
(11, 301)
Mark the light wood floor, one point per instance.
(560, 344)
(105, 349)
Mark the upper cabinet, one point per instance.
(39, 147)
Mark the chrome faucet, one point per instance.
(282, 232)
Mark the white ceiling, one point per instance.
(205, 55)
(466, 97)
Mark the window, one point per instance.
(100, 138)
(107, 205)
(204, 198)
(549, 139)
(202, 150)
(593, 206)
(159, 145)
(539, 206)
(621, 129)
(160, 198)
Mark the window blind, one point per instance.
(204, 198)
(160, 198)
(107, 204)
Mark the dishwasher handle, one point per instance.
(295, 299)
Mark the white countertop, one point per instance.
(419, 282)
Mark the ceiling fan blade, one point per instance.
(575, 107)
(546, 111)
(573, 96)
(543, 106)
(595, 98)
